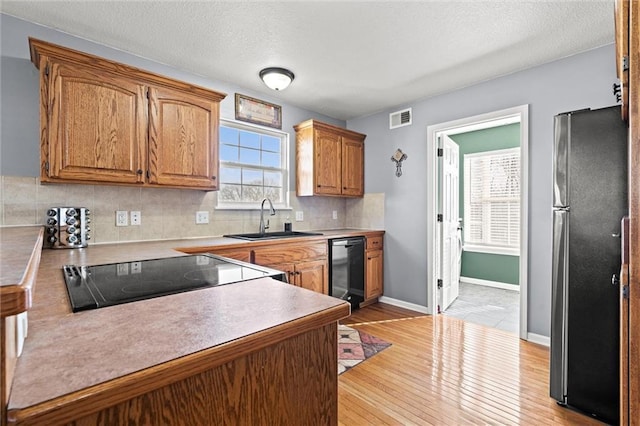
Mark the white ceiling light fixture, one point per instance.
(276, 78)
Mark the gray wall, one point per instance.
(19, 134)
(576, 82)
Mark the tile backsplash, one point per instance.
(170, 213)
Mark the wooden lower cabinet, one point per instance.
(305, 263)
(312, 276)
(241, 254)
(373, 274)
(252, 387)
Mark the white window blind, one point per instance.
(492, 200)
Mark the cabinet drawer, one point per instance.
(374, 243)
(287, 253)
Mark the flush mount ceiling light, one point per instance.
(276, 78)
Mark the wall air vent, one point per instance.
(400, 118)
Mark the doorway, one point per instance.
(445, 229)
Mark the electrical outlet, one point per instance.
(299, 216)
(136, 218)
(121, 218)
(202, 217)
(136, 267)
(335, 215)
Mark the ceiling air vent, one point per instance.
(400, 118)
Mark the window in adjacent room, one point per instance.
(492, 201)
(253, 165)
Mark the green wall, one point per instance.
(484, 266)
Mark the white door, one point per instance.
(451, 242)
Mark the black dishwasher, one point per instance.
(346, 270)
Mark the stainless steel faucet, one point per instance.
(272, 212)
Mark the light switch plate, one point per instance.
(335, 215)
(299, 216)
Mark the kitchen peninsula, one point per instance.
(257, 351)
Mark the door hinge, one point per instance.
(46, 70)
(440, 218)
(625, 291)
(148, 175)
(46, 166)
(625, 63)
(440, 152)
(439, 283)
(147, 93)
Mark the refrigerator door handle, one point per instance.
(561, 146)
(559, 302)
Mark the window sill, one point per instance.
(506, 251)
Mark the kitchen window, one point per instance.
(492, 201)
(253, 166)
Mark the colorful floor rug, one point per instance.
(356, 346)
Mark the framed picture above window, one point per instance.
(259, 112)
(254, 164)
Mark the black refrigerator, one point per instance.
(589, 200)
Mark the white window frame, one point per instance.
(284, 145)
(489, 248)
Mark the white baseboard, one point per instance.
(487, 283)
(539, 339)
(403, 304)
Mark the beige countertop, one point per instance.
(74, 353)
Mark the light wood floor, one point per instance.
(443, 371)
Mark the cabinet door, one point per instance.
(183, 140)
(374, 274)
(312, 276)
(352, 167)
(287, 268)
(327, 163)
(96, 126)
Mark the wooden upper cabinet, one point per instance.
(183, 139)
(329, 160)
(622, 53)
(352, 167)
(96, 126)
(106, 122)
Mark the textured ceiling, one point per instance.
(350, 58)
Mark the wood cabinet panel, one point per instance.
(327, 163)
(329, 160)
(374, 275)
(183, 139)
(304, 263)
(287, 253)
(352, 167)
(96, 129)
(241, 254)
(374, 243)
(312, 276)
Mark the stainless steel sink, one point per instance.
(271, 235)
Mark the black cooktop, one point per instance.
(91, 287)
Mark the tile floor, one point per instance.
(493, 307)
